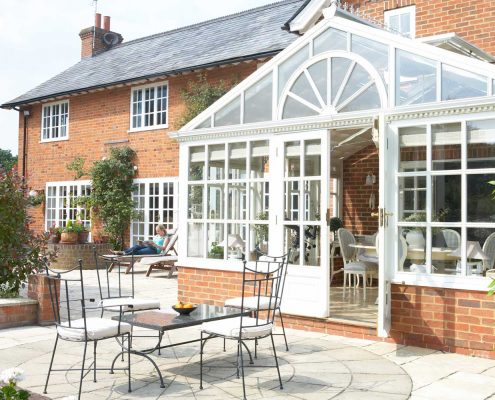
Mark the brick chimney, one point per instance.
(97, 33)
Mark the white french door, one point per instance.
(387, 215)
(298, 205)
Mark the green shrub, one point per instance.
(21, 251)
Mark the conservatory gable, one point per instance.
(341, 66)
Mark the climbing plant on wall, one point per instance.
(199, 95)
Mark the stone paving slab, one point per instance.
(317, 366)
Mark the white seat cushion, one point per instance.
(137, 304)
(147, 261)
(360, 266)
(251, 303)
(367, 257)
(230, 328)
(98, 328)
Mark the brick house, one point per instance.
(381, 114)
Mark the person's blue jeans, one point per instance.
(140, 250)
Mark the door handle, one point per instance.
(382, 216)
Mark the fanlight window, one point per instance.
(329, 86)
(338, 71)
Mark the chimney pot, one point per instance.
(106, 23)
(98, 20)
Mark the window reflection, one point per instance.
(412, 143)
(446, 146)
(446, 198)
(481, 206)
(415, 79)
(481, 144)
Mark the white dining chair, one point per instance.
(489, 250)
(352, 266)
(452, 238)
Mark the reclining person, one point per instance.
(159, 243)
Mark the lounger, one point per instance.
(130, 260)
(165, 260)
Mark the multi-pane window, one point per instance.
(149, 106)
(402, 20)
(62, 205)
(156, 203)
(228, 200)
(446, 212)
(55, 121)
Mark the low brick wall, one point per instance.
(39, 291)
(69, 254)
(459, 321)
(18, 312)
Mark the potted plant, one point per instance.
(54, 233)
(335, 223)
(69, 233)
(82, 232)
(216, 251)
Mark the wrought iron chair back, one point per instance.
(264, 282)
(111, 285)
(70, 308)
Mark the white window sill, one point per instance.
(54, 140)
(148, 128)
(477, 283)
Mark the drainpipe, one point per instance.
(24, 144)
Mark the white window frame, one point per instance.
(175, 209)
(245, 221)
(50, 137)
(57, 221)
(463, 281)
(155, 112)
(411, 10)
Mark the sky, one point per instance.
(39, 38)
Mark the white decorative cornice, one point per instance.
(274, 130)
(434, 113)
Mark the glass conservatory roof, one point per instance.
(341, 66)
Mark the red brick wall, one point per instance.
(458, 321)
(101, 117)
(38, 289)
(471, 19)
(357, 213)
(15, 312)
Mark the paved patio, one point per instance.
(316, 367)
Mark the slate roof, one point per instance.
(235, 37)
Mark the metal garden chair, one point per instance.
(74, 325)
(250, 302)
(263, 282)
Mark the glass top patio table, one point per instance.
(162, 320)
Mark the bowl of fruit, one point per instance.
(184, 308)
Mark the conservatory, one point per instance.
(393, 136)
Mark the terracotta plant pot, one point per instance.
(83, 237)
(54, 238)
(69, 237)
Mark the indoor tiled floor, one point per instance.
(352, 304)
